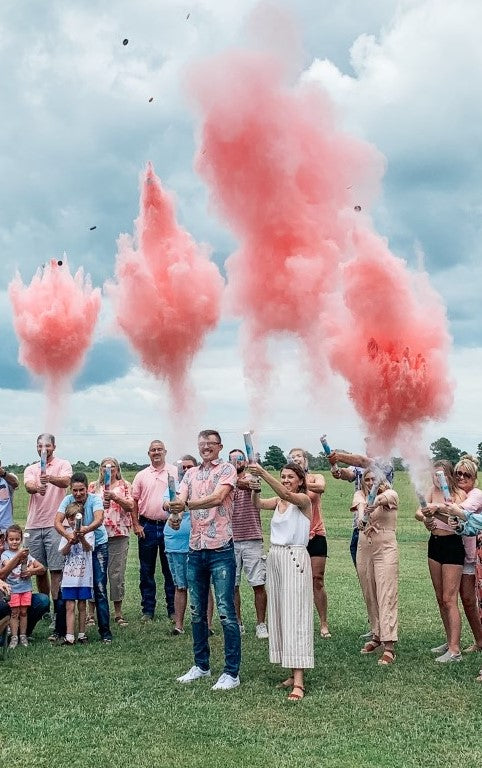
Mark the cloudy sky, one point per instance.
(78, 127)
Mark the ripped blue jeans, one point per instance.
(100, 559)
(218, 565)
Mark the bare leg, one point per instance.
(117, 608)
(298, 690)
(451, 575)
(82, 608)
(23, 620)
(436, 574)
(237, 604)
(55, 579)
(180, 602)
(260, 601)
(14, 620)
(43, 583)
(70, 612)
(318, 565)
(469, 602)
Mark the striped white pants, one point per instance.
(290, 607)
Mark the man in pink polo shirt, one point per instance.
(149, 519)
(46, 494)
(208, 492)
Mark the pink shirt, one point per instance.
(117, 521)
(148, 489)
(210, 528)
(42, 509)
(473, 503)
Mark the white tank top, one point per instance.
(290, 527)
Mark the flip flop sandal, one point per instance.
(121, 622)
(388, 657)
(296, 696)
(325, 633)
(371, 646)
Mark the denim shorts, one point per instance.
(178, 566)
(77, 593)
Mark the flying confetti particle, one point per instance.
(125, 41)
(357, 208)
(187, 16)
(92, 228)
(151, 99)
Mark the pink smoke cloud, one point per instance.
(288, 180)
(54, 318)
(279, 169)
(167, 294)
(393, 345)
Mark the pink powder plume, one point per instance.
(168, 294)
(393, 346)
(54, 318)
(278, 168)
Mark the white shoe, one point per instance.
(440, 649)
(226, 682)
(194, 674)
(262, 631)
(13, 642)
(52, 623)
(448, 657)
(242, 630)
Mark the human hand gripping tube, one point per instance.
(370, 499)
(442, 481)
(171, 485)
(327, 449)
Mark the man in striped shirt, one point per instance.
(248, 545)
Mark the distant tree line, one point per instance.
(274, 458)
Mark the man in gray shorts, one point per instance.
(46, 491)
(248, 545)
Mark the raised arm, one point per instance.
(301, 500)
(316, 483)
(356, 459)
(9, 477)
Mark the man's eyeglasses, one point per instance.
(465, 475)
(208, 444)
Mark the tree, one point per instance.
(479, 454)
(443, 449)
(275, 457)
(398, 464)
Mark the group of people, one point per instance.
(203, 521)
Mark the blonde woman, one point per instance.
(377, 563)
(118, 506)
(468, 524)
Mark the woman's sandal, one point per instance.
(296, 696)
(325, 633)
(388, 657)
(286, 683)
(121, 621)
(90, 621)
(371, 646)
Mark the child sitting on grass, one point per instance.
(19, 580)
(77, 576)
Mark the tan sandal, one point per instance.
(296, 696)
(371, 646)
(121, 622)
(388, 657)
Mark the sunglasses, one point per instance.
(465, 475)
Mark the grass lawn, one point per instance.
(119, 705)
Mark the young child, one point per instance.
(20, 581)
(77, 577)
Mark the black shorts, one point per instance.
(446, 550)
(317, 547)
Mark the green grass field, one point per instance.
(119, 705)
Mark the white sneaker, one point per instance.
(448, 657)
(52, 623)
(13, 642)
(226, 682)
(242, 630)
(440, 649)
(24, 641)
(262, 631)
(194, 674)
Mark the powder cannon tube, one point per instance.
(370, 499)
(421, 500)
(107, 477)
(78, 521)
(43, 462)
(327, 449)
(24, 565)
(180, 470)
(442, 481)
(248, 442)
(171, 485)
